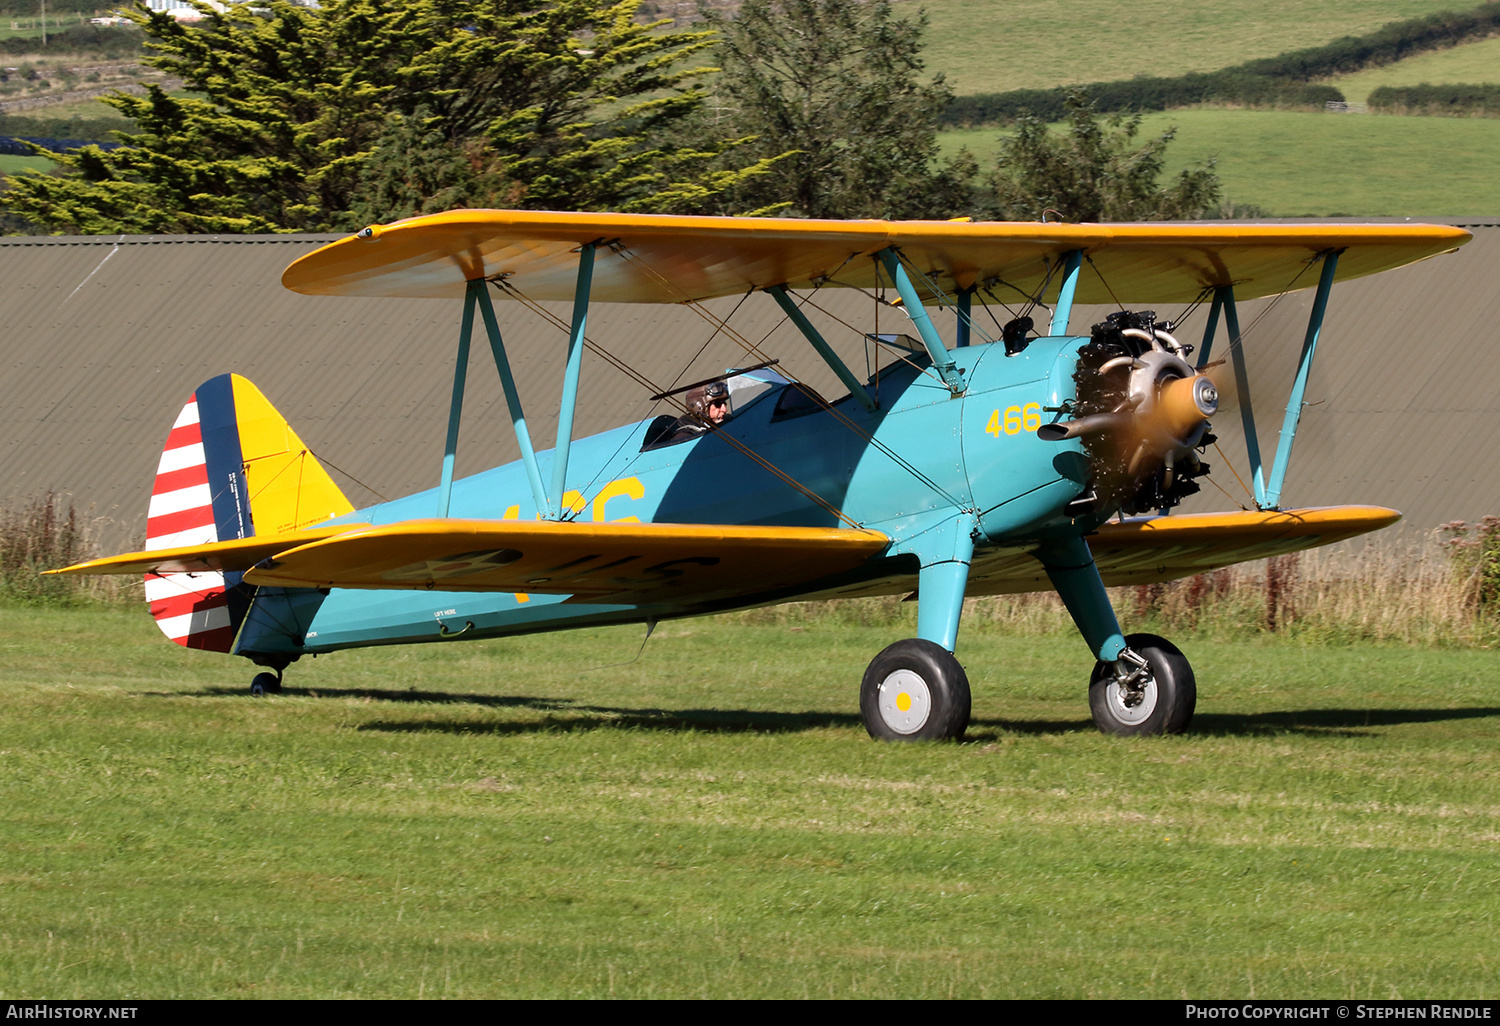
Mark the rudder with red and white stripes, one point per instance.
(198, 499)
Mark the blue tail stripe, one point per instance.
(225, 462)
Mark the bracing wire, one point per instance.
(754, 349)
(643, 380)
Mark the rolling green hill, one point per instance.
(996, 45)
(1467, 64)
(1295, 164)
(1286, 163)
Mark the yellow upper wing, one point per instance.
(671, 259)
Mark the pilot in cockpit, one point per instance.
(707, 408)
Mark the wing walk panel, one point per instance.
(613, 562)
(670, 259)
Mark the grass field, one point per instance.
(11, 164)
(1317, 164)
(995, 45)
(532, 818)
(1470, 64)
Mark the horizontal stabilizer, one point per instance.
(612, 562)
(210, 557)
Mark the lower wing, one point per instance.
(625, 563)
(1145, 550)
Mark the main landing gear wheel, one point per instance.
(266, 684)
(915, 691)
(1153, 694)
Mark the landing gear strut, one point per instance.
(1150, 689)
(915, 691)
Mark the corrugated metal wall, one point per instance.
(106, 338)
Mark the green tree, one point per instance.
(1095, 170)
(315, 119)
(835, 89)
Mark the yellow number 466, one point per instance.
(1017, 419)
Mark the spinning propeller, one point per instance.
(1142, 412)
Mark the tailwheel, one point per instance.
(915, 691)
(266, 684)
(1150, 689)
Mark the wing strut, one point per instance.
(1224, 300)
(1268, 495)
(942, 360)
(570, 378)
(512, 397)
(1072, 264)
(964, 300)
(779, 293)
(456, 407)
(1299, 384)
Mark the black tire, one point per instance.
(265, 684)
(925, 678)
(1171, 695)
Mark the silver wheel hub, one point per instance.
(1134, 701)
(905, 702)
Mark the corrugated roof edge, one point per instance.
(325, 237)
(157, 240)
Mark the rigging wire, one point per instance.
(756, 351)
(327, 462)
(879, 342)
(1104, 281)
(941, 295)
(1192, 307)
(1210, 479)
(1249, 494)
(655, 388)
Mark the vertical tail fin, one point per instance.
(232, 468)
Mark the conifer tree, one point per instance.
(1095, 170)
(837, 87)
(320, 119)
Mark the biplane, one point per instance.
(971, 463)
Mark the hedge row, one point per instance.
(1438, 99)
(1281, 81)
(1141, 94)
(15, 147)
(63, 128)
(1386, 45)
(99, 40)
(55, 8)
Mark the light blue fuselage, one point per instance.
(987, 478)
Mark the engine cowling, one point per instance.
(1142, 412)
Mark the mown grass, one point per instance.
(1322, 165)
(543, 817)
(11, 164)
(1469, 64)
(997, 45)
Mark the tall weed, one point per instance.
(1439, 589)
(44, 536)
(1442, 589)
